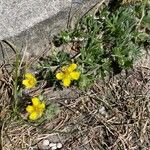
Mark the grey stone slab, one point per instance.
(19, 15)
(31, 24)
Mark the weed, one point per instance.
(109, 115)
(111, 41)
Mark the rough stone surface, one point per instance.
(19, 15)
(30, 24)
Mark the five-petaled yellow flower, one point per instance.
(36, 109)
(30, 81)
(68, 74)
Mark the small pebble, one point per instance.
(77, 112)
(54, 147)
(45, 142)
(59, 145)
(52, 144)
(102, 110)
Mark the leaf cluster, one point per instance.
(111, 41)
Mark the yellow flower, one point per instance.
(68, 74)
(30, 81)
(36, 109)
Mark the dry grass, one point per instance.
(112, 115)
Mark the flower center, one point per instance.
(31, 82)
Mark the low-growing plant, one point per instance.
(109, 41)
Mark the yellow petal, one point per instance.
(29, 75)
(29, 83)
(60, 76)
(66, 81)
(26, 83)
(72, 67)
(33, 116)
(42, 106)
(29, 109)
(75, 75)
(35, 101)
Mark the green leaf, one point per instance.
(51, 111)
(146, 21)
(65, 36)
(85, 81)
(142, 37)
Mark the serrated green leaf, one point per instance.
(146, 21)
